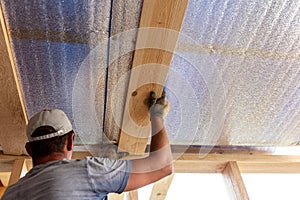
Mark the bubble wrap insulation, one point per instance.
(51, 39)
(234, 78)
(242, 60)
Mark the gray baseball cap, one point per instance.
(55, 118)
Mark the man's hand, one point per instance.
(159, 162)
(158, 107)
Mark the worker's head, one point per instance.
(49, 131)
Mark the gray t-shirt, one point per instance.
(89, 178)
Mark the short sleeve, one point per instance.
(107, 175)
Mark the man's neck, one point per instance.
(52, 157)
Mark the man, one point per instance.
(55, 176)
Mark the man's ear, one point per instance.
(28, 149)
(70, 142)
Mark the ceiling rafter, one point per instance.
(13, 116)
(150, 67)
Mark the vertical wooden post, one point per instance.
(160, 189)
(133, 195)
(114, 196)
(2, 189)
(235, 182)
(17, 170)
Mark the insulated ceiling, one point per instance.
(241, 61)
(53, 40)
(234, 78)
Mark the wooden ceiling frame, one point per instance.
(13, 115)
(231, 165)
(159, 28)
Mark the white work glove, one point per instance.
(158, 107)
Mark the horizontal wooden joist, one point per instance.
(216, 162)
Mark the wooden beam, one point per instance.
(133, 195)
(216, 162)
(153, 55)
(115, 196)
(17, 170)
(6, 165)
(235, 181)
(2, 189)
(160, 189)
(12, 156)
(13, 116)
(28, 164)
(4, 177)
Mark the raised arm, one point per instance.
(159, 162)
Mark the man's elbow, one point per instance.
(168, 170)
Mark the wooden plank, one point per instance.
(13, 116)
(6, 165)
(16, 171)
(153, 55)
(4, 177)
(133, 195)
(28, 164)
(2, 189)
(160, 189)
(241, 158)
(235, 181)
(215, 163)
(10, 156)
(270, 167)
(198, 166)
(115, 196)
